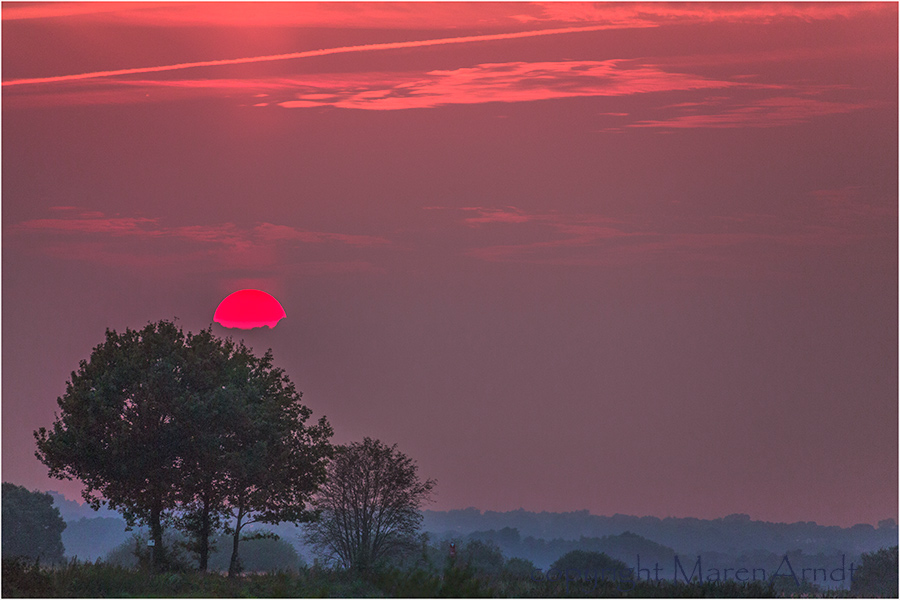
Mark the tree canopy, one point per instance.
(32, 526)
(369, 505)
(186, 427)
(877, 575)
(590, 562)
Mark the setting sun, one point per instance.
(246, 309)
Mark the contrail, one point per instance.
(306, 54)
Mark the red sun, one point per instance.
(246, 309)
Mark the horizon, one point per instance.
(483, 512)
(626, 258)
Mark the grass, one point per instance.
(27, 579)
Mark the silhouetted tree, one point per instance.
(253, 457)
(877, 575)
(157, 420)
(485, 557)
(369, 505)
(117, 433)
(273, 461)
(32, 526)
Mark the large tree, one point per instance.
(116, 431)
(189, 427)
(32, 526)
(272, 460)
(369, 506)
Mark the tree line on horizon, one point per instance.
(476, 568)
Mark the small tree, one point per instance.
(32, 526)
(369, 506)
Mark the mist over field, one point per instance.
(732, 542)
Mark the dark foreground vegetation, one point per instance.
(23, 578)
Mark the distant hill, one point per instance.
(727, 548)
(728, 543)
(734, 533)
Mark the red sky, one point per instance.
(631, 258)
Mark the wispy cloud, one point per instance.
(298, 55)
(244, 15)
(632, 14)
(718, 103)
(489, 82)
(775, 111)
(503, 82)
(93, 222)
(144, 242)
(497, 18)
(432, 15)
(824, 218)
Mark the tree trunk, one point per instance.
(235, 566)
(156, 536)
(204, 537)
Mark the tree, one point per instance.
(186, 428)
(274, 463)
(253, 457)
(116, 432)
(369, 506)
(521, 568)
(877, 575)
(32, 526)
(483, 556)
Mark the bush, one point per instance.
(583, 564)
(877, 575)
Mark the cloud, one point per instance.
(638, 14)
(501, 82)
(243, 15)
(144, 242)
(91, 224)
(431, 15)
(723, 103)
(775, 111)
(298, 55)
(825, 218)
(509, 214)
(488, 82)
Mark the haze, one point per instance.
(635, 259)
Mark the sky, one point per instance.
(629, 258)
